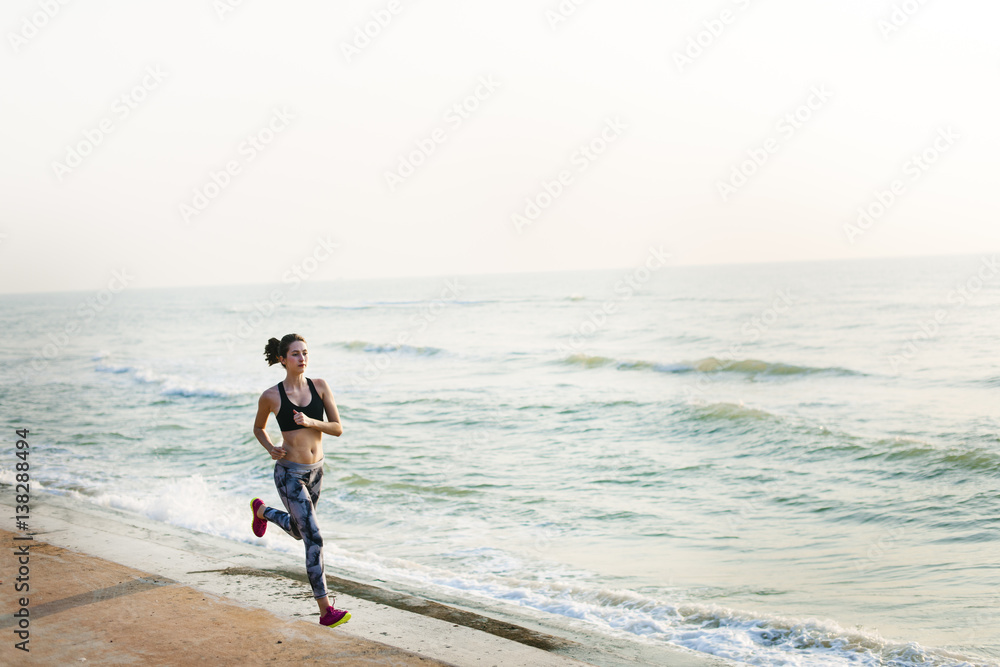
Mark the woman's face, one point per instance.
(297, 357)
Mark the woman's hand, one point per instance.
(301, 419)
(278, 453)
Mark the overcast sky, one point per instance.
(202, 142)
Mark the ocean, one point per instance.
(782, 464)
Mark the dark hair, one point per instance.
(279, 348)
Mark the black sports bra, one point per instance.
(286, 421)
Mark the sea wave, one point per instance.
(171, 385)
(706, 365)
(730, 411)
(387, 348)
(751, 638)
(933, 457)
(922, 457)
(356, 480)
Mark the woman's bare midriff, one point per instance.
(302, 445)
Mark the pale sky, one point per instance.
(116, 112)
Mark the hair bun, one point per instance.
(271, 351)
(274, 349)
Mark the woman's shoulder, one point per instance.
(270, 394)
(320, 384)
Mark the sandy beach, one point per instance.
(110, 587)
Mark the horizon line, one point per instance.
(525, 272)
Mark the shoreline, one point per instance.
(255, 579)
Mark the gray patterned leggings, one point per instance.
(298, 486)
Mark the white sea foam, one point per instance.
(174, 385)
(196, 503)
(392, 348)
(752, 639)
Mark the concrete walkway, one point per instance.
(87, 610)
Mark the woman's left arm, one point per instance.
(331, 427)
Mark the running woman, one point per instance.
(298, 403)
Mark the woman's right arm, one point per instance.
(263, 410)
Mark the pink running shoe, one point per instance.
(259, 525)
(334, 617)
